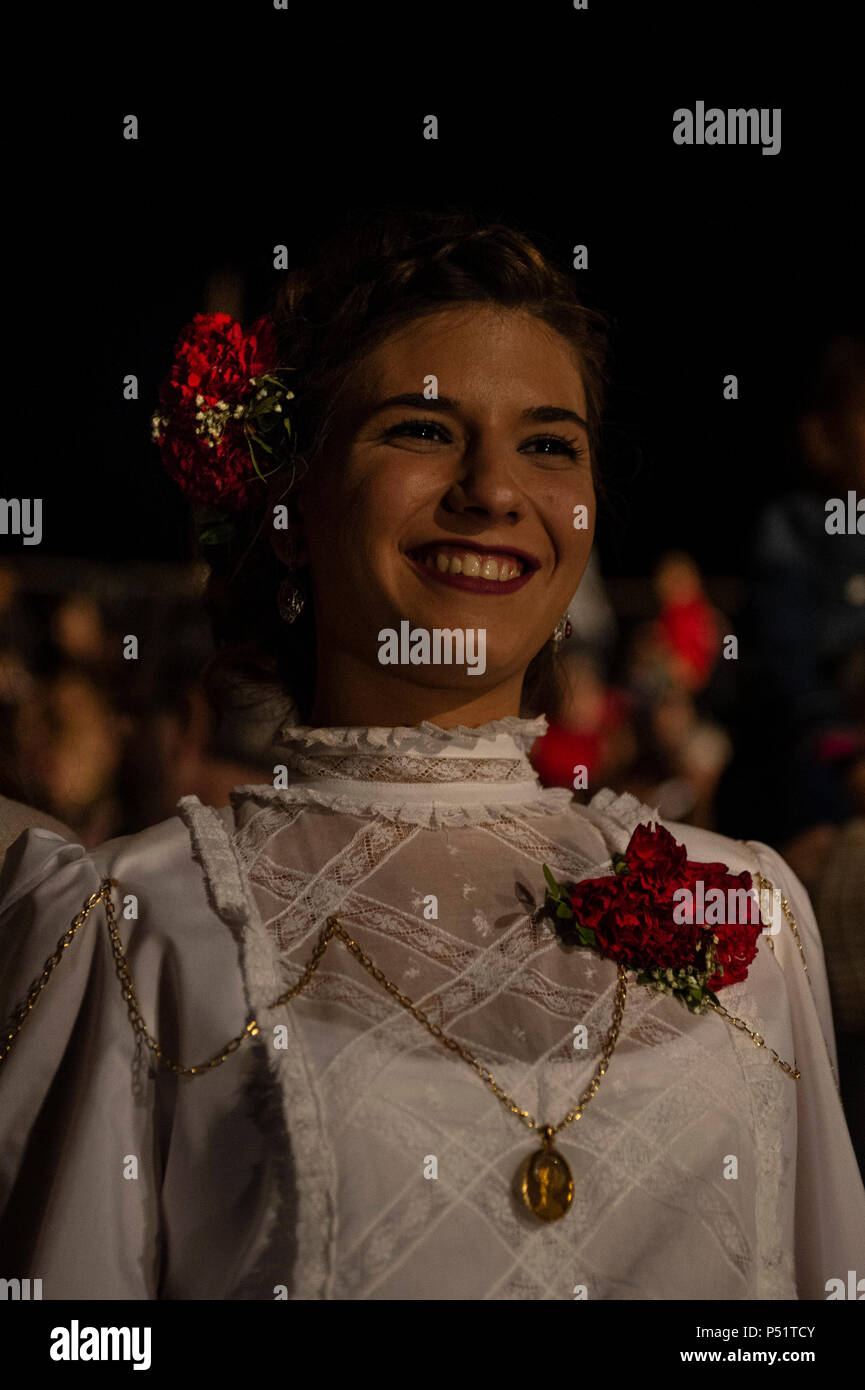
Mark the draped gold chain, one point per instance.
(333, 927)
(544, 1181)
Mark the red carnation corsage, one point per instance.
(687, 928)
(221, 420)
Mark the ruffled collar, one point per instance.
(500, 737)
(421, 775)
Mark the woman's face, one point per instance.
(455, 512)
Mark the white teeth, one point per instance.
(473, 565)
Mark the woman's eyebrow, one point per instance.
(416, 400)
(547, 414)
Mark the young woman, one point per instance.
(347, 1056)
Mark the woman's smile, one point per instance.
(474, 567)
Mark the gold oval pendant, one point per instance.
(546, 1185)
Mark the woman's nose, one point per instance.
(484, 486)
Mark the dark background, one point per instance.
(259, 127)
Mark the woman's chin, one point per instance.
(436, 650)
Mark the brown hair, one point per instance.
(379, 272)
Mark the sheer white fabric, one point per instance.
(303, 1163)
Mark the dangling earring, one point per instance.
(290, 600)
(561, 632)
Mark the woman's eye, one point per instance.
(431, 431)
(558, 444)
(415, 429)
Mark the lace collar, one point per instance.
(423, 775)
(493, 752)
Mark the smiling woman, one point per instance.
(348, 980)
(473, 487)
(489, 461)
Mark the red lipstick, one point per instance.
(469, 584)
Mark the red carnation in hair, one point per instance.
(215, 405)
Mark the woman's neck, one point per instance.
(348, 693)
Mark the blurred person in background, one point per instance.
(69, 738)
(801, 732)
(16, 682)
(70, 743)
(85, 750)
(589, 730)
(840, 900)
(205, 747)
(693, 752)
(688, 627)
(681, 753)
(670, 665)
(20, 796)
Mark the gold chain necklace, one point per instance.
(544, 1181)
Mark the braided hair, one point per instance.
(376, 274)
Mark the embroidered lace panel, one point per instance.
(406, 768)
(447, 914)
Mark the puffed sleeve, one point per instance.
(70, 1121)
(119, 1178)
(830, 1199)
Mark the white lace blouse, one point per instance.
(303, 1166)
